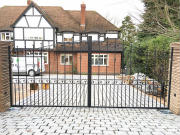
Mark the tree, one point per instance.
(127, 31)
(161, 17)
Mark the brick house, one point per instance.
(53, 29)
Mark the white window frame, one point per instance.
(44, 54)
(68, 36)
(68, 56)
(93, 63)
(10, 36)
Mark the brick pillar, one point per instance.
(175, 82)
(4, 77)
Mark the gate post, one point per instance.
(5, 77)
(89, 69)
(175, 79)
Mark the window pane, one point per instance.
(105, 61)
(96, 61)
(100, 61)
(70, 59)
(66, 60)
(3, 36)
(7, 38)
(63, 59)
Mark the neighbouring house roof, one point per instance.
(106, 46)
(64, 20)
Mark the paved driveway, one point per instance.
(55, 121)
(70, 91)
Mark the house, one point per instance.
(60, 37)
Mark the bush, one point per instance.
(150, 56)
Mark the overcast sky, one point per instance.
(113, 10)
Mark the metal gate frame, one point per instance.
(89, 80)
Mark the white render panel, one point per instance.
(33, 33)
(68, 35)
(44, 23)
(48, 34)
(111, 35)
(22, 23)
(84, 38)
(29, 12)
(19, 44)
(94, 37)
(38, 44)
(101, 39)
(18, 33)
(48, 44)
(59, 38)
(29, 44)
(76, 38)
(33, 21)
(36, 12)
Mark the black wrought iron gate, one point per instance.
(88, 74)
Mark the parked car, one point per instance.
(28, 65)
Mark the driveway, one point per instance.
(72, 90)
(95, 121)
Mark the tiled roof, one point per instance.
(64, 20)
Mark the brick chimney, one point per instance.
(83, 14)
(28, 2)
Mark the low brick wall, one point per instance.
(175, 83)
(4, 77)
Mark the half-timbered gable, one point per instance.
(32, 29)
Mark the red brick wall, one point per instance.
(55, 64)
(55, 58)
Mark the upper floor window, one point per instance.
(68, 37)
(6, 36)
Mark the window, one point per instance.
(66, 59)
(6, 36)
(44, 54)
(68, 37)
(99, 59)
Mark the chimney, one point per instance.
(83, 14)
(28, 2)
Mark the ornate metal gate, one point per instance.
(87, 74)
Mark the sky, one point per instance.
(113, 10)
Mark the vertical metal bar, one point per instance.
(72, 67)
(114, 72)
(130, 70)
(106, 74)
(122, 65)
(42, 47)
(34, 70)
(10, 74)
(80, 66)
(18, 72)
(98, 69)
(49, 53)
(57, 69)
(170, 77)
(89, 69)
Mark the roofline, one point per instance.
(31, 5)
